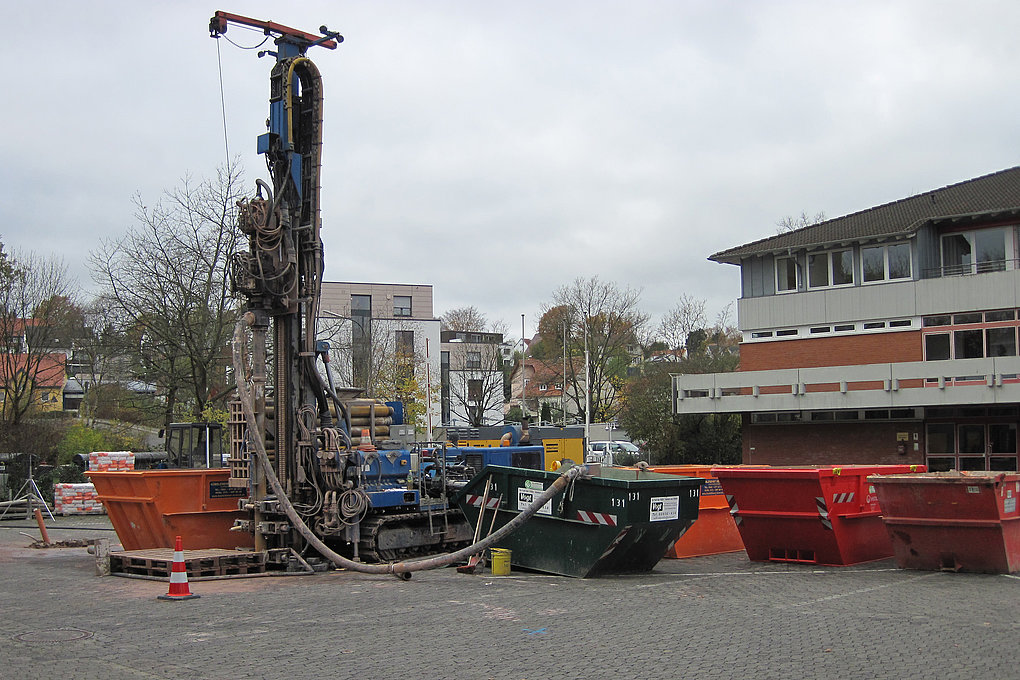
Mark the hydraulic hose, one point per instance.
(402, 570)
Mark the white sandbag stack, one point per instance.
(76, 499)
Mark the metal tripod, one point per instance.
(32, 496)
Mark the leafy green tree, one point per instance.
(604, 319)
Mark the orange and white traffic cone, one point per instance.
(178, 576)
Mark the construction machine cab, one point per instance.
(194, 445)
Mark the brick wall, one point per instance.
(850, 350)
(872, 443)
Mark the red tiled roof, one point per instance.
(49, 372)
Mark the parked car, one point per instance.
(613, 453)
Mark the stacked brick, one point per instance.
(76, 499)
(81, 499)
(111, 461)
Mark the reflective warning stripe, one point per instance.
(842, 497)
(476, 501)
(596, 518)
(734, 510)
(823, 512)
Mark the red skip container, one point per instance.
(953, 521)
(820, 515)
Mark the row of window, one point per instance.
(836, 267)
(361, 305)
(970, 335)
(831, 416)
(835, 328)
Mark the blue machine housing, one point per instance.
(396, 479)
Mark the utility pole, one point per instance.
(563, 378)
(524, 347)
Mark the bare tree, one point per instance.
(464, 319)
(31, 367)
(167, 280)
(677, 324)
(790, 223)
(605, 319)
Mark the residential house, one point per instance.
(372, 326)
(471, 365)
(33, 381)
(884, 336)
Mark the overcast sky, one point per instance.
(499, 150)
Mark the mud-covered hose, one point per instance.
(400, 569)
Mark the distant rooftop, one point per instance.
(997, 194)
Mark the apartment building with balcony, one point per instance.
(884, 336)
(377, 328)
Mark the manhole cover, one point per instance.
(53, 635)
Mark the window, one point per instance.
(978, 251)
(401, 305)
(361, 337)
(474, 359)
(843, 327)
(1001, 342)
(835, 268)
(787, 331)
(871, 325)
(404, 342)
(936, 347)
(1001, 315)
(973, 317)
(881, 263)
(820, 329)
(968, 344)
(474, 391)
(941, 320)
(899, 323)
(761, 334)
(543, 387)
(786, 274)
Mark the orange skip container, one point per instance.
(714, 531)
(149, 508)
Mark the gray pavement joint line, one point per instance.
(859, 591)
(703, 575)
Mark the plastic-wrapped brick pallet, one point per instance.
(111, 461)
(76, 499)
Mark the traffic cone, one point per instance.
(178, 577)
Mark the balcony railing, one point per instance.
(895, 385)
(970, 268)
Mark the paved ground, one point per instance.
(710, 617)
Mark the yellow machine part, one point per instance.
(560, 449)
(556, 450)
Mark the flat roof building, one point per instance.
(884, 336)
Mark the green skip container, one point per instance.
(618, 521)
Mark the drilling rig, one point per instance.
(311, 474)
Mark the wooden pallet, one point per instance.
(157, 563)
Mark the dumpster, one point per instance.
(953, 521)
(715, 531)
(149, 508)
(619, 521)
(815, 515)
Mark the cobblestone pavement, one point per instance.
(709, 617)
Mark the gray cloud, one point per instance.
(499, 150)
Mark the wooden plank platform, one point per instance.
(157, 563)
